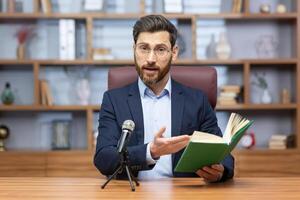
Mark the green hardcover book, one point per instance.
(205, 149)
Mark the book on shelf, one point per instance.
(67, 39)
(102, 54)
(46, 6)
(229, 94)
(11, 6)
(237, 6)
(230, 88)
(45, 93)
(205, 149)
(281, 141)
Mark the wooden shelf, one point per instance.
(220, 62)
(30, 152)
(257, 107)
(243, 16)
(97, 15)
(84, 62)
(278, 16)
(15, 62)
(44, 108)
(96, 108)
(84, 16)
(80, 16)
(264, 151)
(284, 61)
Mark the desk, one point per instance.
(47, 188)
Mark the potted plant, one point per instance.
(261, 83)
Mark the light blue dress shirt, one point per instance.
(156, 113)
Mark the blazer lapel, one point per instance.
(135, 106)
(177, 104)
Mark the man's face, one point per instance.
(153, 56)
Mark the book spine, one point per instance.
(62, 39)
(11, 6)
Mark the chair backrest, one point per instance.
(203, 78)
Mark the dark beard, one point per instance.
(151, 81)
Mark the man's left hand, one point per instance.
(211, 173)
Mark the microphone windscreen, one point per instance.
(128, 125)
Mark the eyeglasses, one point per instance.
(145, 50)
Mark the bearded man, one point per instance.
(153, 103)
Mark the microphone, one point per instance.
(127, 129)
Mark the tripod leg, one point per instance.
(111, 176)
(133, 177)
(129, 177)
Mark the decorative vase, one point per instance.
(7, 95)
(266, 97)
(267, 46)
(211, 47)
(83, 91)
(223, 48)
(21, 51)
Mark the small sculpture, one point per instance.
(265, 8)
(281, 8)
(285, 96)
(266, 46)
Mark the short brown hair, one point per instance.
(154, 23)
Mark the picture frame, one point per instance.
(61, 132)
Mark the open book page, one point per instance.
(235, 123)
(228, 129)
(206, 138)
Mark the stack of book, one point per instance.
(102, 54)
(281, 141)
(229, 94)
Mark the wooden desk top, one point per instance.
(184, 188)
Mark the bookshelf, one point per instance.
(43, 161)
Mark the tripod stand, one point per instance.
(123, 164)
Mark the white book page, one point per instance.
(228, 130)
(203, 137)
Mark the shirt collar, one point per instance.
(145, 90)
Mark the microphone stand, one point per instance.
(124, 163)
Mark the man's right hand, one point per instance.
(162, 146)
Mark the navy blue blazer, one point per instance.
(190, 111)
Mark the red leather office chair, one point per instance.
(203, 78)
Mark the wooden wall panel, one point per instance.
(275, 164)
(22, 164)
(71, 164)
